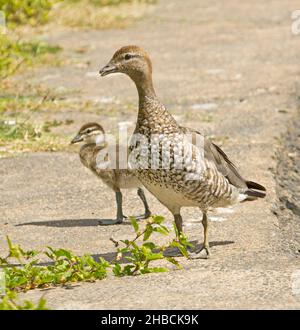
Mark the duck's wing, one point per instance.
(223, 163)
(215, 154)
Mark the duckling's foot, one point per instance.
(202, 253)
(137, 217)
(108, 222)
(143, 216)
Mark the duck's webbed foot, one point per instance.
(202, 253)
(120, 215)
(146, 215)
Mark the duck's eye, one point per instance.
(88, 131)
(128, 57)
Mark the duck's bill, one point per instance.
(77, 138)
(108, 69)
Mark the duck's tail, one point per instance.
(255, 190)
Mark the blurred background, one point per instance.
(207, 57)
(37, 37)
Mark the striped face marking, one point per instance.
(90, 133)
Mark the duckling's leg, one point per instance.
(119, 207)
(120, 215)
(203, 252)
(142, 196)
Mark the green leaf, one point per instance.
(124, 250)
(176, 230)
(117, 269)
(158, 270)
(161, 230)
(174, 262)
(14, 250)
(10, 246)
(126, 241)
(183, 251)
(155, 256)
(158, 219)
(3, 261)
(128, 269)
(181, 248)
(134, 245)
(184, 240)
(150, 245)
(131, 259)
(135, 225)
(148, 232)
(63, 253)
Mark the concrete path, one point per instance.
(228, 69)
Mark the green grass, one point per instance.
(11, 302)
(18, 53)
(18, 97)
(12, 130)
(20, 136)
(100, 14)
(29, 12)
(25, 125)
(117, 2)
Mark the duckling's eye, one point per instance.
(128, 57)
(88, 131)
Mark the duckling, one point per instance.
(93, 136)
(207, 179)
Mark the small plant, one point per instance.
(65, 268)
(11, 302)
(140, 256)
(23, 272)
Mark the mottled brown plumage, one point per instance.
(208, 178)
(94, 155)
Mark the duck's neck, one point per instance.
(145, 90)
(150, 107)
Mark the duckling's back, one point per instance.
(100, 166)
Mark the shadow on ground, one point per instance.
(69, 223)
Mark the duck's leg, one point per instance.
(147, 213)
(120, 215)
(203, 252)
(178, 223)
